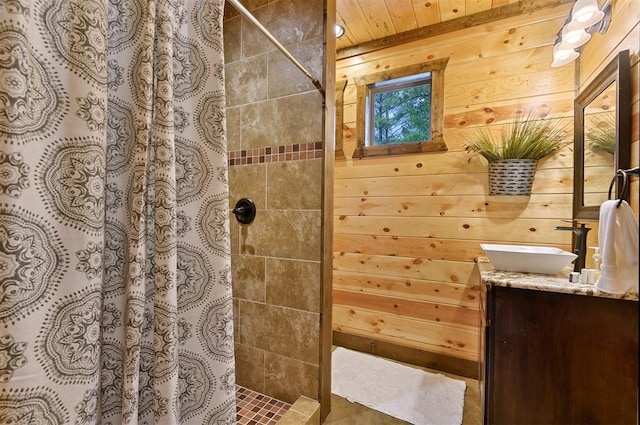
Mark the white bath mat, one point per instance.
(412, 395)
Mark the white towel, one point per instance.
(618, 239)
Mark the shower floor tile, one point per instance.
(254, 408)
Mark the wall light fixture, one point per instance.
(585, 18)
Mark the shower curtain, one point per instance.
(115, 278)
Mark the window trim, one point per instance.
(339, 151)
(436, 143)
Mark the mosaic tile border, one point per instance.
(253, 408)
(292, 152)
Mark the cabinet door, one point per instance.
(561, 358)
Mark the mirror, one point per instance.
(602, 132)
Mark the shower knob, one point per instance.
(245, 211)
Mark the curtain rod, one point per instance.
(244, 12)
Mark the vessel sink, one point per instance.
(527, 258)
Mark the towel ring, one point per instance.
(624, 185)
(625, 182)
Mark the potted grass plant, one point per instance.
(514, 154)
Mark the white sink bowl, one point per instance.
(528, 259)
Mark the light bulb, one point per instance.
(585, 13)
(563, 56)
(573, 37)
(339, 29)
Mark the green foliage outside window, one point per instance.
(402, 116)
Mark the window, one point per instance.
(400, 111)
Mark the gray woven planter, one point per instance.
(511, 176)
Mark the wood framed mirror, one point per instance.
(602, 133)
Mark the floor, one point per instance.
(346, 413)
(257, 409)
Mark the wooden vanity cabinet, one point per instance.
(557, 358)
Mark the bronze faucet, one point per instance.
(579, 244)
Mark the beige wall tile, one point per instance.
(249, 181)
(295, 185)
(286, 379)
(280, 330)
(232, 39)
(289, 21)
(294, 284)
(285, 234)
(234, 230)
(233, 129)
(281, 121)
(285, 78)
(250, 367)
(236, 319)
(246, 81)
(248, 274)
(250, 5)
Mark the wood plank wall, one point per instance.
(407, 228)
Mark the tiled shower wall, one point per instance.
(275, 134)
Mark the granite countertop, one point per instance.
(543, 282)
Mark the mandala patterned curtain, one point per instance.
(115, 287)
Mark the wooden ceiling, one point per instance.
(376, 24)
(367, 20)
